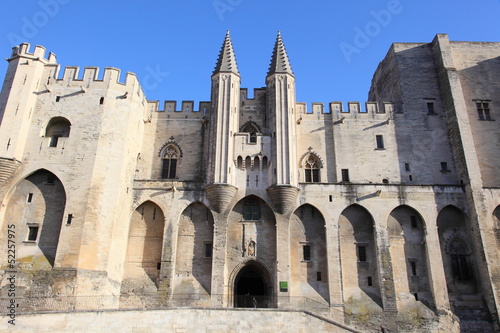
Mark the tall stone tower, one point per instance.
(223, 123)
(280, 83)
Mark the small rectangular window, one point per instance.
(430, 108)
(318, 276)
(483, 110)
(208, 250)
(407, 166)
(413, 266)
(32, 233)
(444, 166)
(380, 142)
(416, 296)
(369, 280)
(70, 218)
(51, 179)
(30, 197)
(58, 98)
(413, 221)
(101, 101)
(345, 175)
(330, 197)
(361, 253)
(306, 251)
(158, 265)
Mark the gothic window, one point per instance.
(251, 210)
(460, 261)
(170, 158)
(252, 129)
(58, 127)
(311, 167)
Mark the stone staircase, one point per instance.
(7, 168)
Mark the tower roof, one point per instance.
(279, 59)
(227, 59)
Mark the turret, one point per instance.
(281, 102)
(223, 124)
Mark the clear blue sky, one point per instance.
(179, 40)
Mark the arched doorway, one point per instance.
(252, 287)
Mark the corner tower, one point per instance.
(280, 83)
(223, 124)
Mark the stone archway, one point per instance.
(252, 287)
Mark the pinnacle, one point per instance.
(279, 59)
(227, 60)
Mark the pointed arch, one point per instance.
(193, 258)
(308, 253)
(144, 248)
(36, 206)
(457, 250)
(408, 253)
(357, 241)
(170, 155)
(252, 285)
(311, 163)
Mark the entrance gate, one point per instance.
(252, 289)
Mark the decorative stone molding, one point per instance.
(283, 197)
(220, 195)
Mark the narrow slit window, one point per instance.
(29, 198)
(369, 281)
(208, 250)
(361, 253)
(380, 141)
(70, 219)
(306, 252)
(413, 266)
(345, 175)
(430, 108)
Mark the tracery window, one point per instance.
(311, 170)
(460, 259)
(169, 162)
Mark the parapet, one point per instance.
(354, 108)
(186, 109)
(38, 53)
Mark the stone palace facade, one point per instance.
(380, 212)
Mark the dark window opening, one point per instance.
(53, 141)
(413, 266)
(385, 181)
(158, 265)
(483, 110)
(312, 170)
(32, 233)
(380, 141)
(407, 166)
(101, 101)
(345, 175)
(306, 252)
(430, 108)
(330, 197)
(70, 218)
(251, 210)
(444, 166)
(369, 280)
(416, 296)
(460, 267)
(361, 253)
(413, 221)
(30, 197)
(318, 276)
(58, 98)
(208, 250)
(410, 177)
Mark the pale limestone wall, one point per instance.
(179, 320)
(478, 66)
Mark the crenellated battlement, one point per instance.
(187, 108)
(351, 109)
(91, 74)
(38, 53)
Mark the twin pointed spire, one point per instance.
(279, 59)
(227, 60)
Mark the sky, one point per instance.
(334, 46)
